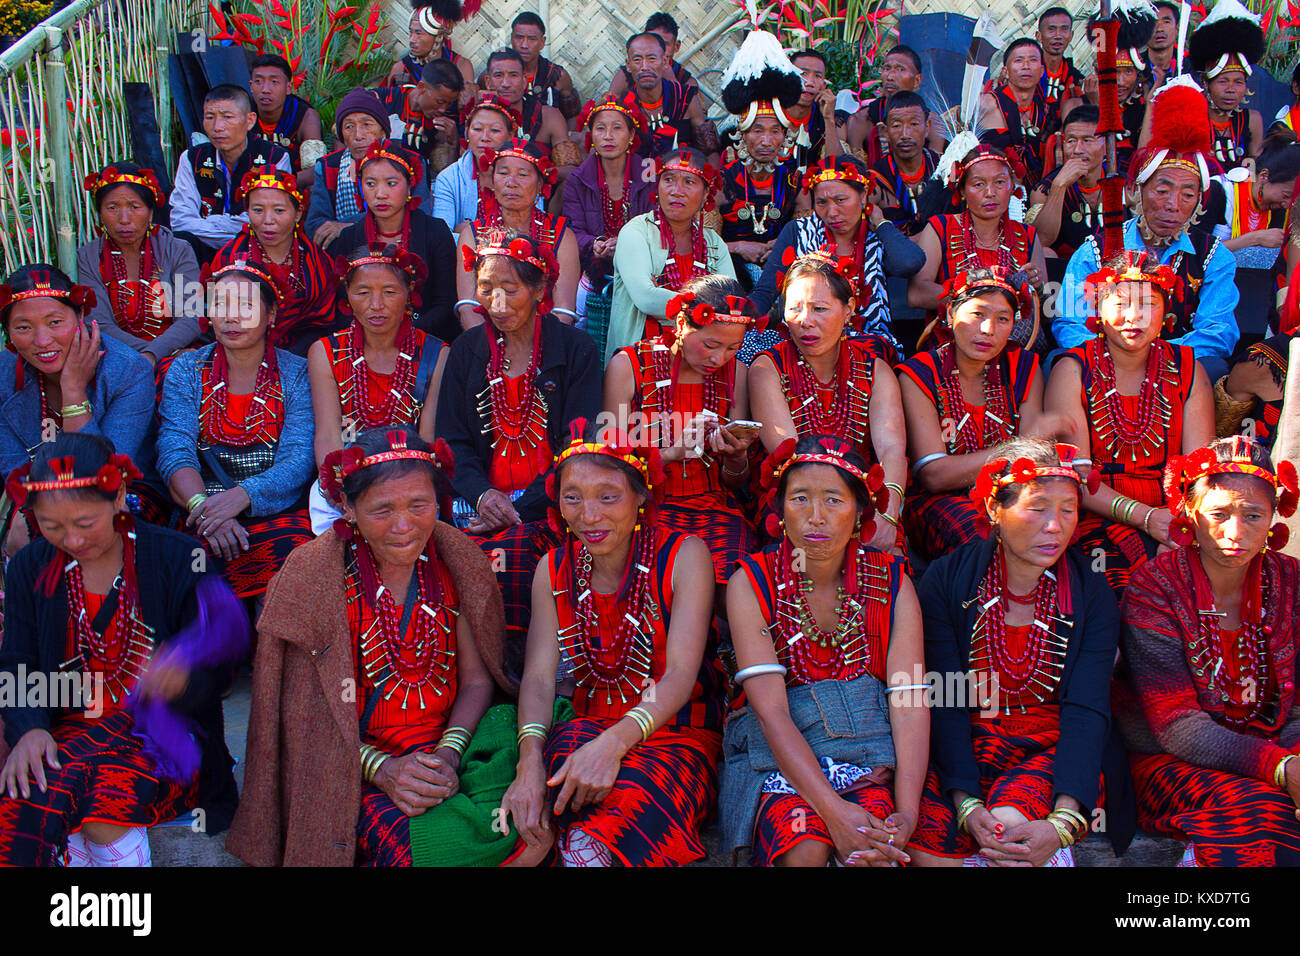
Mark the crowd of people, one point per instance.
(906, 525)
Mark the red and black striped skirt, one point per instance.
(940, 524)
(1121, 549)
(270, 540)
(724, 530)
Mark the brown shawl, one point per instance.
(302, 778)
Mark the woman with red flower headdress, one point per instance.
(1206, 700)
(982, 234)
(520, 172)
(1130, 400)
(846, 223)
(394, 218)
(660, 251)
(1020, 632)
(622, 609)
(274, 240)
(821, 382)
(819, 608)
(382, 372)
(974, 391)
(682, 389)
(410, 769)
(609, 187)
(139, 271)
(58, 375)
(147, 643)
(235, 432)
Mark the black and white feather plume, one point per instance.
(1229, 29)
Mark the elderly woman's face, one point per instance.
(41, 330)
(396, 517)
(378, 297)
(124, 215)
(1232, 519)
(819, 510)
(510, 302)
(80, 526)
(516, 183)
(599, 505)
(1039, 524)
(681, 195)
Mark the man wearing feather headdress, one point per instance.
(1168, 179)
(1223, 50)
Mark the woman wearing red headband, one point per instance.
(1130, 400)
(974, 391)
(141, 274)
(622, 608)
(403, 608)
(660, 251)
(981, 234)
(679, 391)
(274, 239)
(394, 218)
(1025, 626)
(520, 172)
(1207, 698)
(235, 433)
(382, 372)
(818, 608)
(459, 189)
(147, 643)
(846, 220)
(610, 187)
(820, 382)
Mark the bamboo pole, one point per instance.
(56, 125)
(162, 25)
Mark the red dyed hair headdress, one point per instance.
(833, 452)
(998, 473)
(825, 254)
(1137, 266)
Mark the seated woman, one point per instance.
(520, 172)
(1130, 400)
(58, 375)
(488, 123)
(1207, 707)
(1253, 391)
(845, 218)
(140, 272)
(974, 391)
(681, 389)
(982, 234)
(821, 383)
(660, 251)
(850, 619)
(408, 610)
(274, 240)
(393, 218)
(1252, 223)
(1024, 626)
(623, 605)
(382, 372)
(235, 433)
(609, 187)
(84, 779)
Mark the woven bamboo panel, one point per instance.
(1018, 18)
(587, 37)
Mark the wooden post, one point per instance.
(56, 128)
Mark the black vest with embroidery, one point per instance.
(216, 189)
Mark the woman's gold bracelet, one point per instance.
(1279, 773)
(371, 759)
(967, 807)
(196, 499)
(72, 411)
(531, 730)
(895, 486)
(454, 738)
(643, 719)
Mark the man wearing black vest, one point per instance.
(204, 210)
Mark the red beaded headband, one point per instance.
(519, 248)
(740, 310)
(343, 463)
(208, 275)
(111, 476)
(269, 177)
(981, 153)
(628, 106)
(380, 149)
(532, 153)
(994, 277)
(490, 101)
(683, 163)
(1183, 471)
(111, 176)
(80, 297)
(1025, 470)
(831, 169)
(783, 458)
(1138, 267)
(843, 265)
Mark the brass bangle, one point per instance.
(1062, 833)
(455, 739)
(540, 731)
(72, 411)
(889, 518)
(196, 499)
(895, 486)
(643, 719)
(967, 807)
(1279, 773)
(735, 474)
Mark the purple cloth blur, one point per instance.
(586, 211)
(219, 636)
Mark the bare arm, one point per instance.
(324, 402)
(465, 284)
(767, 399)
(566, 286)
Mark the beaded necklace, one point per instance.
(847, 417)
(999, 424)
(48, 414)
(1208, 646)
(774, 188)
(795, 629)
(619, 662)
(1146, 432)
(140, 313)
(375, 238)
(216, 426)
(659, 390)
(615, 211)
(1085, 212)
(287, 274)
(1032, 677)
(516, 428)
(122, 662)
(419, 659)
(400, 406)
(671, 277)
(970, 246)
